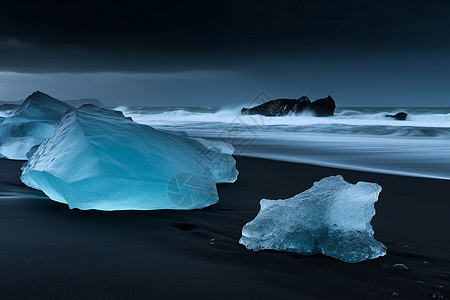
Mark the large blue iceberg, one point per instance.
(30, 124)
(99, 159)
(333, 217)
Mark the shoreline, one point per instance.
(50, 251)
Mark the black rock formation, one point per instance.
(323, 107)
(398, 116)
(281, 107)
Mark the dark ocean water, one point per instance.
(360, 138)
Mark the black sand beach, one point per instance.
(50, 251)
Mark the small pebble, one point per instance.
(440, 286)
(394, 294)
(212, 242)
(407, 246)
(438, 296)
(425, 263)
(402, 267)
(420, 281)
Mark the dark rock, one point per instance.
(323, 107)
(398, 116)
(281, 107)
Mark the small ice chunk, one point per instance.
(332, 217)
(99, 159)
(438, 296)
(30, 124)
(401, 267)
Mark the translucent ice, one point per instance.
(220, 160)
(98, 159)
(332, 217)
(31, 123)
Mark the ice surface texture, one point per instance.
(332, 217)
(31, 123)
(220, 160)
(99, 159)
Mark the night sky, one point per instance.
(214, 53)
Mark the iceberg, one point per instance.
(99, 159)
(30, 124)
(332, 217)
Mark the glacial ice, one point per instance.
(220, 160)
(30, 124)
(99, 159)
(332, 217)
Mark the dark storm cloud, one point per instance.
(97, 35)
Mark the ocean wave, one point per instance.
(350, 121)
(413, 117)
(354, 138)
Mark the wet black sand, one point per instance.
(50, 251)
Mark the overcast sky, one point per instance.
(191, 53)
